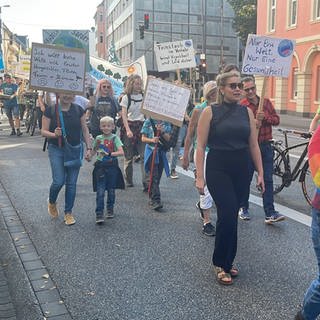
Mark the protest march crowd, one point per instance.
(227, 137)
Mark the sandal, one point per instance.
(234, 271)
(222, 276)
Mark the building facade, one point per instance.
(299, 20)
(100, 30)
(207, 22)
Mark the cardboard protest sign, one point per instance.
(164, 100)
(57, 69)
(175, 55)
(267, 56)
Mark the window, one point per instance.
(272, 15)
(292, 13)
(101, 37)
(101, 17)
(294, 92)
(316, 10)
(318, 85)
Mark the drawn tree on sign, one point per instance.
(117, 76)
(100, 67)
(108, 72)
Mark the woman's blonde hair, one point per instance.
(100, 84)
(222, 81)
(129, 83)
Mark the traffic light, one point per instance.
(141, 29)
(146, 21)
(203, 67)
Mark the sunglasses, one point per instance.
(249, 89)
(234, 85)
(104, 87)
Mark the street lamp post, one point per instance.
(1, 51)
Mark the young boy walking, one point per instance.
(106, 174)
(150, 137)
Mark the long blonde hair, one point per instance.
(129, 83)
(222, 81)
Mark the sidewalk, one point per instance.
(294, 122)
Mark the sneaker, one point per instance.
(53, 210)
(173, 174)
(157, 205)
(99, 218)
(208, 229)
(19, 133)
(244, 214)
(13, 132)
(275, 217)
(69, 219)
(109, 214)
(201, 211)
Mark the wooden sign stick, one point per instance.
(263, 90)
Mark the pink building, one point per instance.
(298, 20)
(100, 22)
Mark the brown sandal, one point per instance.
(222, 276)
(234, 271)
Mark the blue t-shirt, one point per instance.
(148, 131)
(9, 89)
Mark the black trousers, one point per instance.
(226, 176)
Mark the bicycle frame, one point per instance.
(297, 168)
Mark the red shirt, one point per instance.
(270, 118)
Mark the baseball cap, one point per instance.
(7, 75)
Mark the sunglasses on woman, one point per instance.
(106, 87)
(234, 85)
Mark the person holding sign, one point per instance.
(132, 124)
(265, 119)
(229, 130)
(153, 131)
(71, 118)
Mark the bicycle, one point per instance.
(283, 173)
(31, 112)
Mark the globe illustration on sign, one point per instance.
(285, 48)
(188, 43)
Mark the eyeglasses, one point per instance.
(234, 85)
(249, 89)
(104, 87)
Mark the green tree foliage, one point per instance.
(245, 20)
(117, 76)
(108, 72)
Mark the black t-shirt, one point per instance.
(71, 120)
(104, 106)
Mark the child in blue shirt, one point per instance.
(106, 174)
(149, 136)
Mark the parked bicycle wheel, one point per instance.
(280, 170)
(308, 187)
(28, 119)
(33, 122)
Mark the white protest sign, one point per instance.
(164, 100)
(175, 55)
(57, 69)
(268, 56)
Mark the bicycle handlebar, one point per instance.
(303, 134)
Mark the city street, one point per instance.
(142, 264)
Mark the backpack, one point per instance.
(119, 122)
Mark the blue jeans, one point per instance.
(267, 162)
(106, 181)
(176, 149)
(61, 176)
(311, 303)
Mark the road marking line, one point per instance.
(290, 213)
(8, 146)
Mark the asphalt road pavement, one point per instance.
(141, 264)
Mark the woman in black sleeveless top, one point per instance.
(229, 130)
